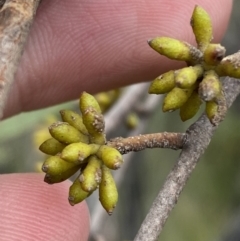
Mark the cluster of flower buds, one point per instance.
(186, 88)
(106, 99)
(79, 143)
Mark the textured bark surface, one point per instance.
(15, 20)
(2, 2)
(173, 141)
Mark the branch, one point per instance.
(16, 18)
(98, 216)
(173, 141)
(132, 96)
(198, 138)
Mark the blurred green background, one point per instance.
(209, 207)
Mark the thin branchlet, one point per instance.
(173, 141)
(198, 138)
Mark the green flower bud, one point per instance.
(91, 175)
(51, 147)
(186, 77)
(110, 156)
(191, 107)
(176, 98)
(88, 101)
(108, 194)
(216, 110)
(95, 124)
(202, 27)
(132, 120)
(58, 170)
(214, 53)
(172, 48)
(76, 193)
(74, 119)
(211, 109)
(210, 87)
(78, 152)
(65, 133)
(230, 66)
(106, 99)
(162, 84)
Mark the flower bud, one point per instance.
(230, 66)
(162, 84)
(107, 99)
(216, 110)
(51, 147)
(91, 175)
(175, 99)
(172, 48)
(108, 194)
(95, 124)
(186, 77)
(191, 107)
(65, 133)
(214, 53)
(76, 193)
(210, 87)
(132, 120)
(211, 109)
(88, 101)
(110, 156)
(74, 119)
(58, 170)
(78, 152)
(202, 27)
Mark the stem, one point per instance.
(198, 138)
(132, 96)
(173, 141)
(16, 18)
(144, 109)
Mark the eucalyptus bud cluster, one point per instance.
(78, 143)
(106, 99)
(199, 82)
